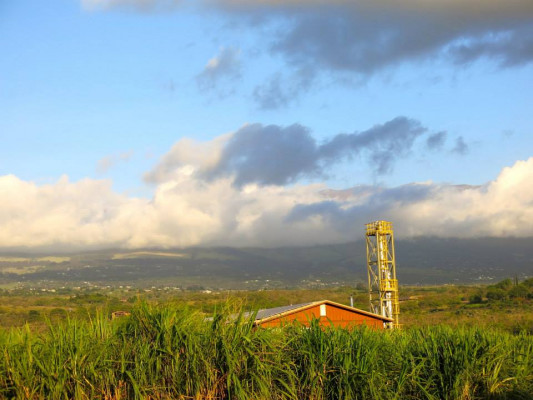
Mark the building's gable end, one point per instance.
(327, 312)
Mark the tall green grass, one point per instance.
(160, 352)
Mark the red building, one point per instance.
(327, 312)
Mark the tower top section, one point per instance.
(382, 227)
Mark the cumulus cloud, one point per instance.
(188, 211)
(275, 155)
(433, 209)
(188, 152)
(78, 214)
(226, 65)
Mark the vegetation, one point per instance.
(420, 306)
(63, 344)
(168, 352)
(507, 289)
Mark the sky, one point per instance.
(171, 123)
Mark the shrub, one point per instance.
(519, 291)
(475, 298)
(528, 283)
(34, 315)
(506, 284)
(496, 294)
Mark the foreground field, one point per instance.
(164, 352)
(458, 342)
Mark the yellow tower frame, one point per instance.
(382, 282)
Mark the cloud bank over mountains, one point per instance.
(217, 193)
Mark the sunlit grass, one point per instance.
(165, 352)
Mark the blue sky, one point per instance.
(107, 93)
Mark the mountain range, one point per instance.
(419, 261)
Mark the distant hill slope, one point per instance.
(419, 261)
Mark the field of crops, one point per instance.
(166, 352)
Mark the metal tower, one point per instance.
(382, 282)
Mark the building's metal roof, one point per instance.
(272, 313)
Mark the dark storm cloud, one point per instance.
(359, 39)
(436, 141)
(509, 48)
(267, 155)
(384, 143)
(279, 155)
(366, 40)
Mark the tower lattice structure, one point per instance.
(381, 264)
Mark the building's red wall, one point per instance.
(334, 315)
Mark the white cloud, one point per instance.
(186, 211)
(200, 155)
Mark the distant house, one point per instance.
(325, 311)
